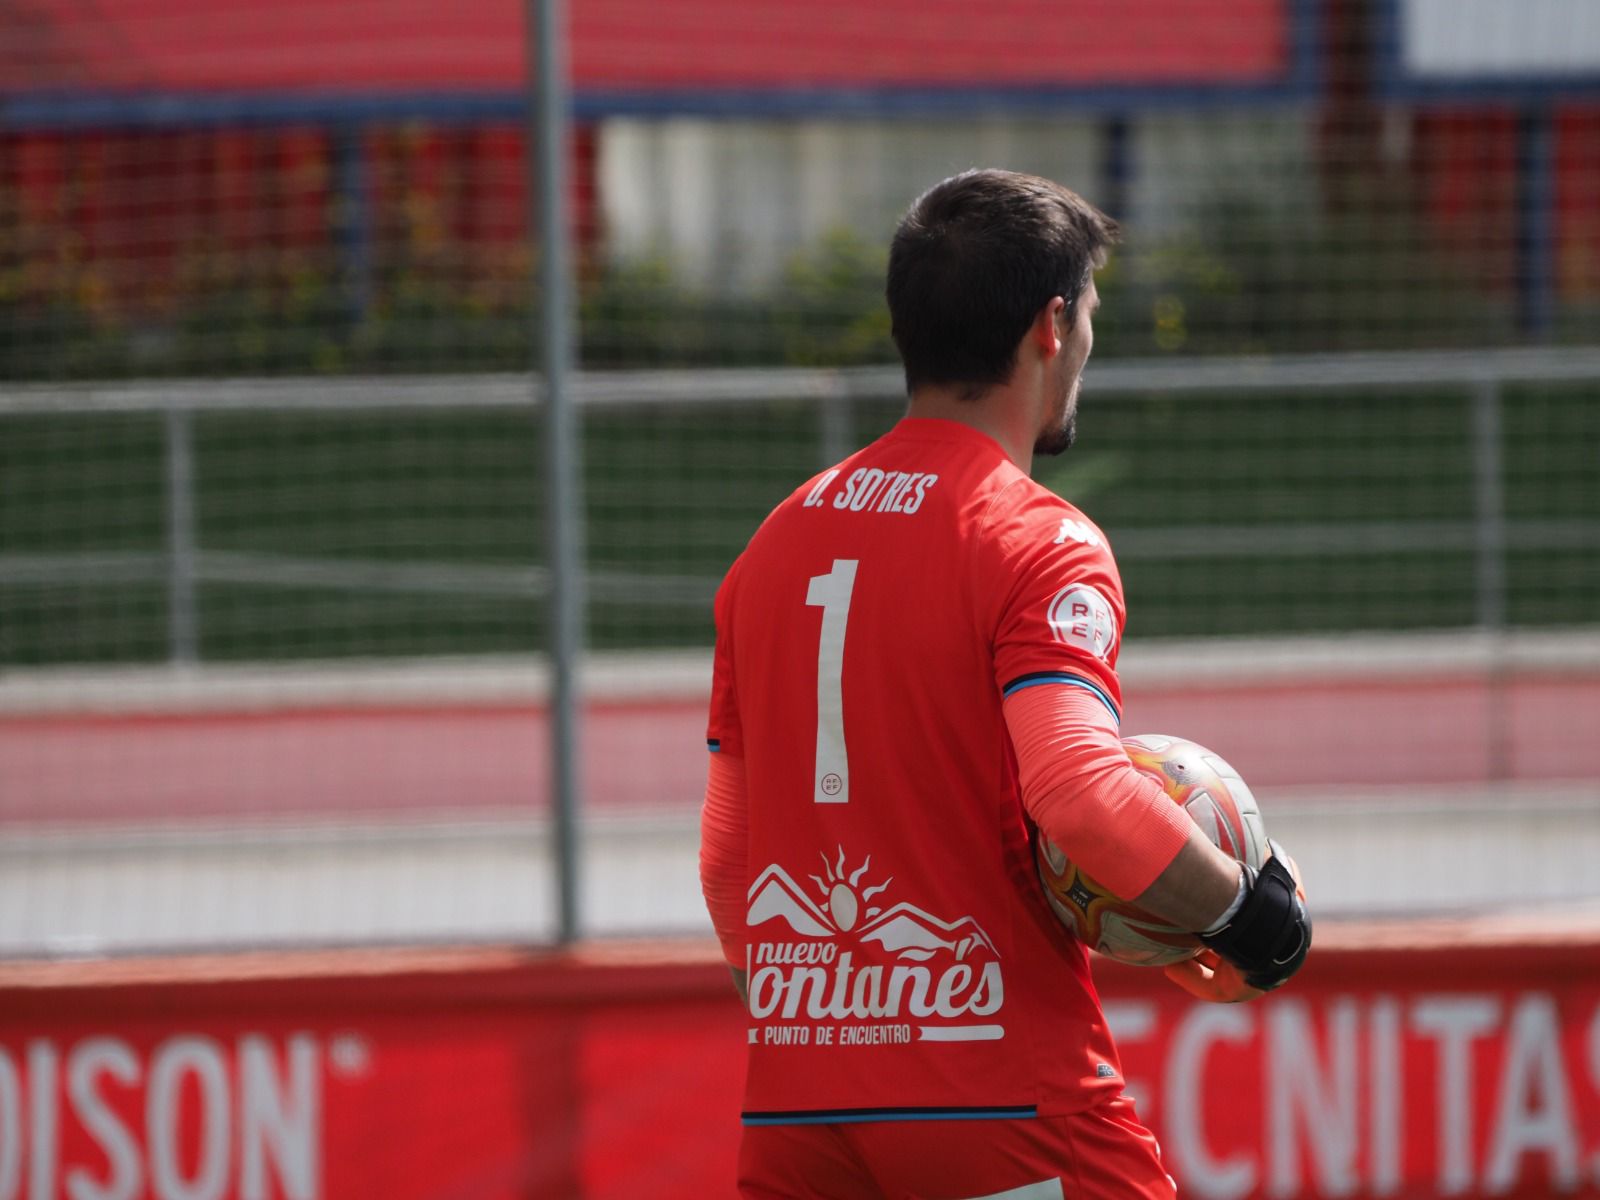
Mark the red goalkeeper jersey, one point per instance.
(902, 961)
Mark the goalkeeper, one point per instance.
(915, 675)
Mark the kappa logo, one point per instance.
(844, 957)
(1080, 616)
(1077, 531)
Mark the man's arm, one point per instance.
(1197, 886)
(1121, 828)
(724, 848)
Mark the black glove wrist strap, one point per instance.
(1270, 935)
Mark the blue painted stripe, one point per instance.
(143, 110)
(163, 110)
(1077, 681)
(839, 1116)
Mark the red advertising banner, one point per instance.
(1437, 1077)
(473, 1075)
(1471, 1070)
(418, 45)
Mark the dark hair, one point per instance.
(973, 262)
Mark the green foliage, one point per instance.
(833, 312)
(61, 341)
(638, 315)
(827, 309)
(1242, 279)
(1246, 280)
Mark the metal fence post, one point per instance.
(1536, 221)
(353, 220)
(183, 621)
(1489, 567)
(835, 425)
(548, 119)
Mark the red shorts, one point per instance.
(1101, 1154)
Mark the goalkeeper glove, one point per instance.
(1263, 944)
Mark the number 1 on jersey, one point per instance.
(831, 593)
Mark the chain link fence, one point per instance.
(274, 584)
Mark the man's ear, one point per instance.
(1045, 332)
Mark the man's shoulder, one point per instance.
(1022, 507)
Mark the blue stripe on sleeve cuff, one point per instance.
(837, 1116)
(1077, 681)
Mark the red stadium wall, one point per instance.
(1465, 164)
(179, 46)
(154, 223)
(1470, 1069)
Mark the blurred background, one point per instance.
(273, 569)
(276, 509)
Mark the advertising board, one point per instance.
(1467, 1071)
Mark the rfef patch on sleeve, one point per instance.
(1080, 616)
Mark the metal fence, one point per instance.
(835, 395)
(405, 796)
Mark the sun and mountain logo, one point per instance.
(805, 946)
(904, 930)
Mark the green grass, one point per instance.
(671, 497)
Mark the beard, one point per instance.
(1058, 440)
(1058, 437)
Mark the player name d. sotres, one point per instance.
(871, 489)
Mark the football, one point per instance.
(1220, 803)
